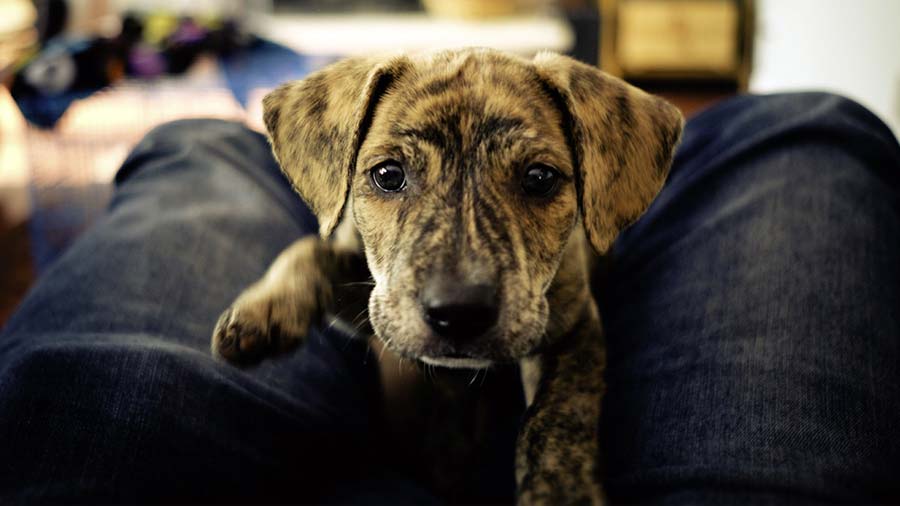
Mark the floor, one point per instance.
(17, 271)
(83, 151)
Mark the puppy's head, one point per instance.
(468, 173)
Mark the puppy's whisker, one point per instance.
(358, 324)
(331, 324)
(484, 377)
(384, 347)
(361, 313)
(358, 327)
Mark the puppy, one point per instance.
(473, 187)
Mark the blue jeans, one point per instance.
(751, 315)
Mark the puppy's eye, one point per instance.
(389, 176)
(540, 180)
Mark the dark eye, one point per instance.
(388, 176)
(540, 180)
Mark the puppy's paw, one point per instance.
(545, 495)
(259, 325)
(555, 464)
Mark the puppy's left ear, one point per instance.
(624, 141)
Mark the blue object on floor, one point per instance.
(266, 65)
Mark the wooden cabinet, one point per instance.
(677, 39)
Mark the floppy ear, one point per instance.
(317, 125)
(623, 140)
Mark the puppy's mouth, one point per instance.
(402, 323)
(457, 361)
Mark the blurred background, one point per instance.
(82, 80)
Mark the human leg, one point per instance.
(107, 388)
(751, 314)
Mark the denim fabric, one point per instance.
(752, 314)
(108, 391)
(751, 323)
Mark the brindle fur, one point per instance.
(465, 125)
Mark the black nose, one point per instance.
(459, 311)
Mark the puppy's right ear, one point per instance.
(317, 125)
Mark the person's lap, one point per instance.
(751, 313)
(108, 388)
(752, 350)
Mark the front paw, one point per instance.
(260, 326)
(541, 494)
(556, 461)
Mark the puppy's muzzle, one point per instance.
(459, 312)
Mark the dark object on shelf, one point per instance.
(51, 18)
(585, 22)
(63, 72)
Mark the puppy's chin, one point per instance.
(457, 363)
(484, 352)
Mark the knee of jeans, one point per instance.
(188, 131)
(754, 117)
(842, 125)
(760, 125)
(770, 148)
(181, 135)
(831, 109)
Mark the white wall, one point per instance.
(848, 46)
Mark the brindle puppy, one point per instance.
(468, 184)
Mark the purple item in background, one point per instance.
(146, 61)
